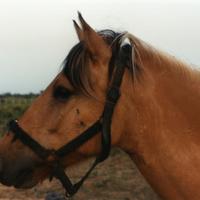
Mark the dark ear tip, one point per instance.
(80, 15)
(75, 23)
(81, 19)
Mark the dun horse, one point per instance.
(155, 118)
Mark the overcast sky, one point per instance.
(36, 35)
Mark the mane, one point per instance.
(75, 65)
(160, 60)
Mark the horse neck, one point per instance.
(163, 130)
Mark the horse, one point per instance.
(114, 90)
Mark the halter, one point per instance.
(103, 125)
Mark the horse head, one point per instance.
(71, 104)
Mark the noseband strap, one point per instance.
(103, 126)
(53, 157)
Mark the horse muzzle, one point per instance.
(18, 172)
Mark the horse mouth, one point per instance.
(28, 178)
(24, 179)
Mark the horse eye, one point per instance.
(61, 93)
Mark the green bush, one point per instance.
(11, 107)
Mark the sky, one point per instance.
(36, 35)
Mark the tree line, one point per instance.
(29, 95)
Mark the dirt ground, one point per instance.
(115, 179)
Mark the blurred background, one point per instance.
(36, 36)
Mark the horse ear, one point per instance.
(94, 43)
(78, 31)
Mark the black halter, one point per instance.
(102, 125)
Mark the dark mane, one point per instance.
(75, 66)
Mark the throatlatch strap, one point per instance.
(112, 97)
